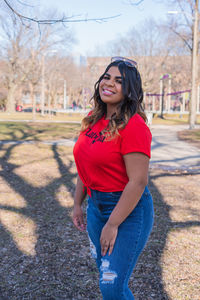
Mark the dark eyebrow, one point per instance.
(117, 77)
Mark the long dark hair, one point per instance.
(132, 103)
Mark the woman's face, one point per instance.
(110, 87)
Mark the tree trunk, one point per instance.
(33, 101)
(10, 106)
(49, 104)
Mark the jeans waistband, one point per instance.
(103, 197)
(99, 193)
(106, 201)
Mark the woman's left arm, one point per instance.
(137, 165)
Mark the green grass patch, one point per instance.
(169, 119)
(195, 134)
(47, 129)
(19, 131)
(173, 119)
(63, 117)
(191, 136)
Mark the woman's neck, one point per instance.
(110, 112)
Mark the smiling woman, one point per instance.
(112, 158)
(110, 89)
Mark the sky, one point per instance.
(91, 35)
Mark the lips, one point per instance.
(107, 92)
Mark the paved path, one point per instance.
(64, 142)
(39, 121)
(169, 153)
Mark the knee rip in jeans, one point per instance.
(108, 276)
(93, 250)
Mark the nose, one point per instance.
(110, 82)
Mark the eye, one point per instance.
(106, 77)
(119, 81)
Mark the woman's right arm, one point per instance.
(79, 196)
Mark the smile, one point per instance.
(108, 92)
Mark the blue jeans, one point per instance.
(115, 270)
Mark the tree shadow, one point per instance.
(61, 267)
(25, 130)
(191, 158)
(52, 272)
(147, 281)
(35, 132)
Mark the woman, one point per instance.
(112, 158)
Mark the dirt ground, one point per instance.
(190, 136)
(43, 257)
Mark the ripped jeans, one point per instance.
(115, 270)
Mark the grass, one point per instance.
(180, 220)
(191, 136)
(40, 249)
(173, 119)
(18, 131)
(47, 131)
(61, 117)
(42, 255)
(194, 134)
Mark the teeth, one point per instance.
(107, 92)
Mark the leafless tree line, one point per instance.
(164, 47)
(29, 55)
(34, 55)
(24, 51)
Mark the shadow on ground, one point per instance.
(61, 267)
(56, 270)
(147, 281)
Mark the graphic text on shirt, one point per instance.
(96, 137)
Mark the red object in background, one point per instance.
(19, 108)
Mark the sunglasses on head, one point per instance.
(127, 61)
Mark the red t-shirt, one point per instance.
(100, 162)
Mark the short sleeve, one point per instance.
(90, 113)
(136, 137)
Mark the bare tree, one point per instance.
(13, 55)
(186, 26)
(25, 13)
(64, 19)
(2, 86)
(59, 70)
(135, 2)
(22, 50)
(150, 45)
(181, 21)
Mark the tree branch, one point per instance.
(185, 14)
(62, 20)
(184, 40)
(136, 3)
(23, 3)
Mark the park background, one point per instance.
(47, 75)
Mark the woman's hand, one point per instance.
(78, 218)
(108, 237)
